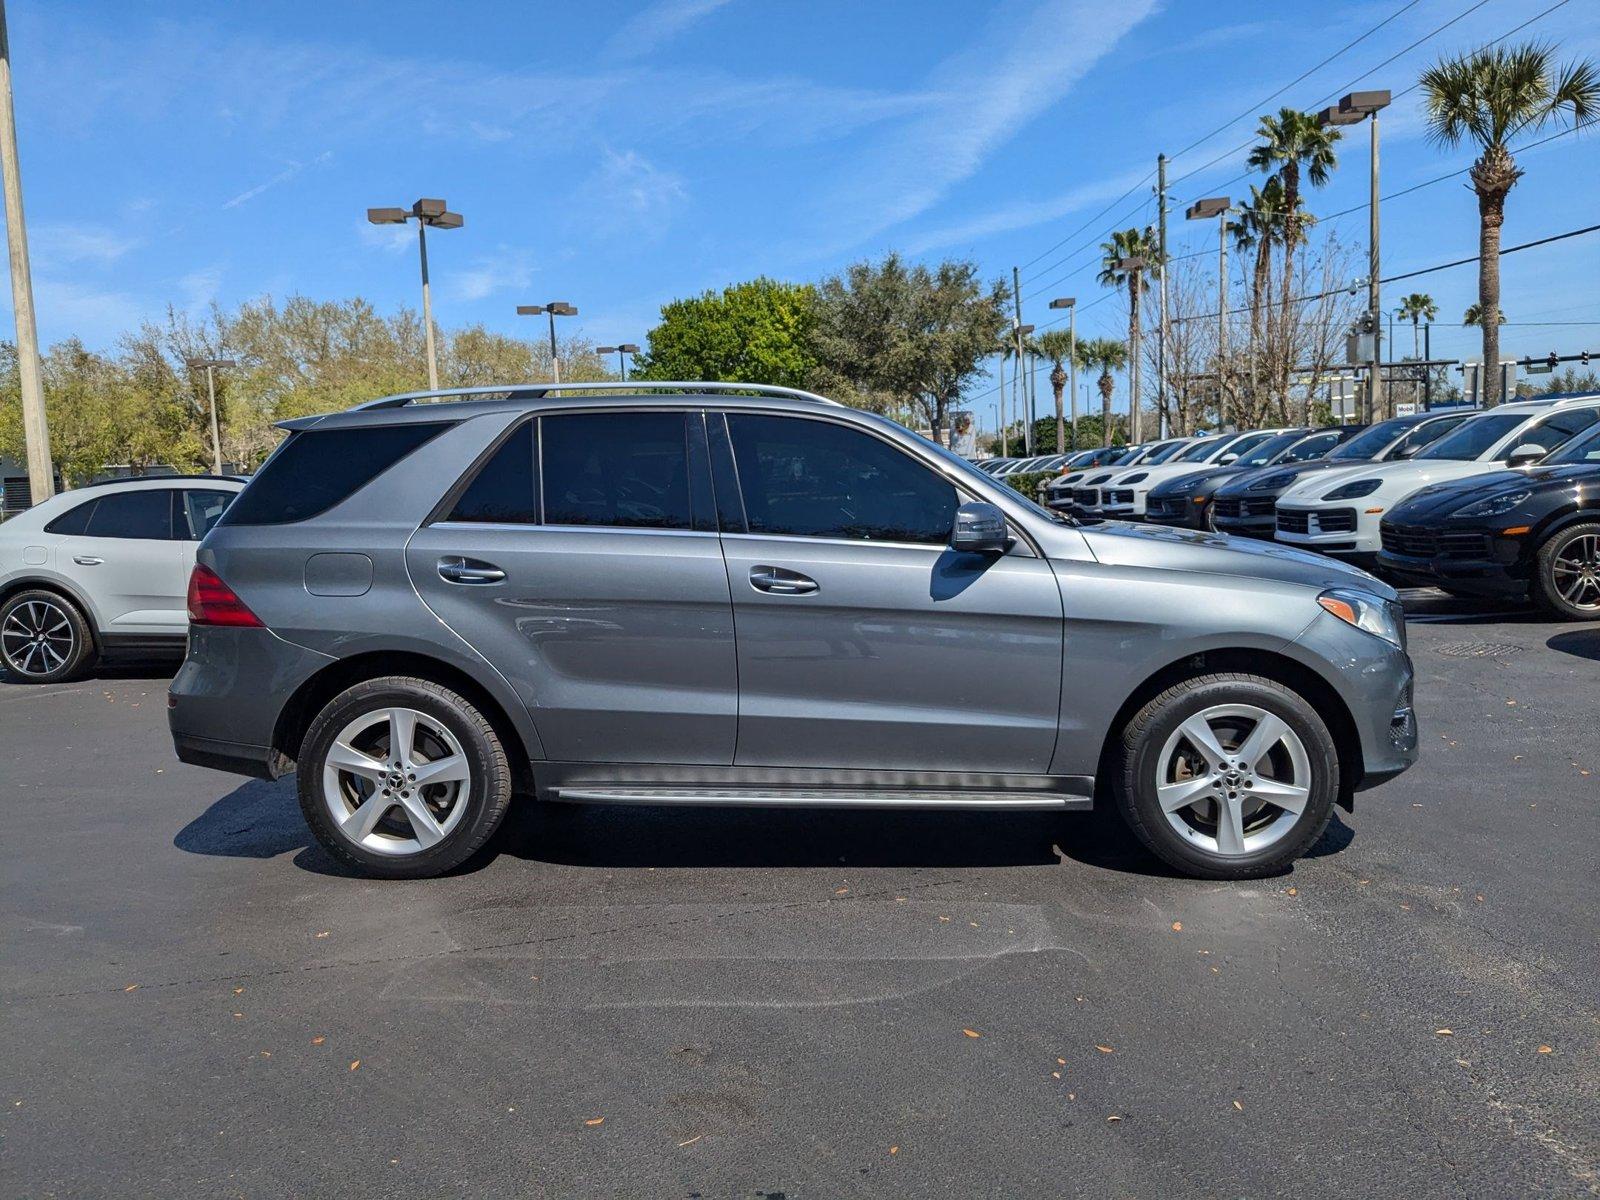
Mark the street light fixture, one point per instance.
(556, 308)
(210, 365)
(1203, 210)
(1352, 109)
(619, 351)
(424, 213)
(1069, 303)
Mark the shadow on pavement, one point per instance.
(1580, 643)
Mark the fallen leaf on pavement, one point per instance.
(1545, 1050)
(317, 1041)
(894, 1149)
(1105, 1049)
(595, 1121)
(355, 1065)
(1177, 927)
(972, 1033)
(1445, 1032)
(690, 1142)
(841, 891)
(132, 987)
(1239, 1106)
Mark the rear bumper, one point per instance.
(236, 757)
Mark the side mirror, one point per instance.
(1525, 455)
(1405, 452)
(980, 529)
(1226, 459)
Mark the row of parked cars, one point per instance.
(1502, 503)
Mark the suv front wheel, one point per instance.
(44, 638)
(402, 778)
(1227, 776)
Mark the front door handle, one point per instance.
(780, 581)
(87, 560)
(457, 569)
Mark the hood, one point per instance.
(1398, 478)
(1205, 480)
(1258, 481)
(1441, 499)
(1159, 473)
(1121, 544)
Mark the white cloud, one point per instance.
(631, 192)
(1022, 214)
(505, 268)
(96, 315)
(658, 24)
(283, 176)
(392, 238)
(52, 243)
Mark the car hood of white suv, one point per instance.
(1396, 481)
(1148, 477)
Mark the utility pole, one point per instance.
(1005, 442)
(1018, 375)
(35, 427)
(210, 365)
(1161, 268)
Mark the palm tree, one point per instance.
(1057, 345)
(1416, 308)
(1259, 227)
(1488, 97)
(1130, 243)
(1474, 315)
(1104, 355)
(1291, 142)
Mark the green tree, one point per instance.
(755, 332)
(1104, 355)
(1416, 308)
(1259, 226)
(1057, 345)
(906, 337)
(1474, 316)
(1292, 142)
(1124, 244)
(1488, 97)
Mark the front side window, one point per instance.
(627, 469)
(1580, 450)
(504, 491)
(144, 514)
(1547, 435)
(1472, 438)
(1266, 451)
(809, 478)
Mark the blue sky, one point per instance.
(618, 155)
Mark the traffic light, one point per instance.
(1553, 359)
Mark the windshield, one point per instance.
(1585, 448)
(1127, 456)
(1371, 442)
(1471, 439)
(1269, 449)
(1166, 452)
(1196, 451)
(1248, 442)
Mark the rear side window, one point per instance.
(74, 520)
(1558, 428)
(810, 478)
(504, 491)
(198, 509)
(628, 470)
(316, 470)
(145, 514)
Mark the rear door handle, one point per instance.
(87, 560)
(457, 569)
(780, 581)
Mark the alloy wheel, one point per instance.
(1233, 779)
(396, 781)
(1576, 571)
(37, 638)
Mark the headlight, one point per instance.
(1494, 505)
(1367, 612)
(1136, 477)
(1354, 491)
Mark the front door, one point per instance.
(864, 641)
(582, 561)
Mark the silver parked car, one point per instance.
(710, 594)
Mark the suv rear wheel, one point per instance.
(1227, 776)
(44, 638)
(402, 778)
(1567, 579)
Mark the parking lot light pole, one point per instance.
(556, 308)
(1070, 303)
(210, 365)
(424, 213)
(619, 351)
(1353, 109)
(1200, 210)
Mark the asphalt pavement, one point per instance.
(705, 1003)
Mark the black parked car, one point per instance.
(1248, 503)
(1186, 500)
(1523, 534)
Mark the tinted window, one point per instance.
(1269, 449)
(74, 520)
(1550, 434)
(1166, 452)
(146, 513)
(817, 479)
(314, 470)
(503, 490)
(1196, 451)
(198, 510)
(1429, 433)
(1471, 438)
(1243, 445)
(1311, 447)
(619, 469)
(1585, 449)
(1369, 443)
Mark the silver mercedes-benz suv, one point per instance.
(730, 594)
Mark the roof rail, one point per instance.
(537, 391)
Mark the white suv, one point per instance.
(102, 569)
(1124, 494)
(1337, 511)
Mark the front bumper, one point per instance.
(1375, 679)
(1464, 560)
(1246, 516)
(1337, 531)
(1180, 511)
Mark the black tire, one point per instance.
(29, 662)
(1135, 775)
(1546, 589)
(486, 797)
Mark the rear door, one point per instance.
(864, 641)
(582, 560)
(128, 559)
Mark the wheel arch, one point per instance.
(295, 718)
(1293, 674)
(67, 591)
(1573, 513)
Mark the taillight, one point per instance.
(212, 602)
